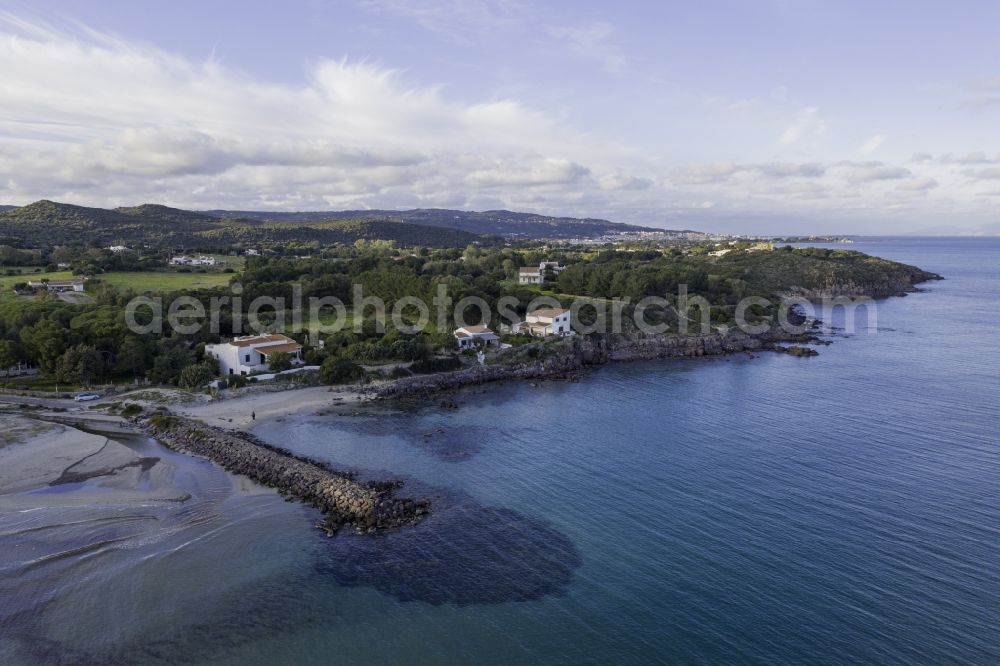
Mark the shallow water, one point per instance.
(774, 510)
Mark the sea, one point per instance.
(773, 510)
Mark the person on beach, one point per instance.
(253, 416)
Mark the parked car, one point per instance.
(86, 397)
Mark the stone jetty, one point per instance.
(367, 507)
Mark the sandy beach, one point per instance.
(37, 455)
(237, 413)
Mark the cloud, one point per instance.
(978, 157)
(459, 21)
(917, 185)
(543, 172)
(613, 182)
(921, 158)
(702, 174)
(592, 42)
(859, 173)
(806, 123)
(103, 121)
(871, 145)
(985, 93)
(789, 169)
(991, 173)
(97, 120)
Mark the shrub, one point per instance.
(340, 371)
(279, 361)
(195, 376)
(131, 409)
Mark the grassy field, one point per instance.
(166, 281)
(8, 281)
(139, 281)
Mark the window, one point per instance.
(246, 358)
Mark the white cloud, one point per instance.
(701, 174)
(96, 120)
(592, 42)
(859, 173)
(917, 185)
(460, 21)
(977, 157)
(871, 145)
(806, 124)
(790, 169)
(100, 121)
(991, 173)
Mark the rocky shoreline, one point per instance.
(367, 507)
(569, 357)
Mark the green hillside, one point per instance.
(497, 222)
(51, 223)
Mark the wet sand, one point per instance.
(237, 413)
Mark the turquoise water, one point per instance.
(774, 510)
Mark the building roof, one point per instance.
(286, 347)
(475, 330)
(252, 340)
(529, 270)
(549, 312)
(55, 283)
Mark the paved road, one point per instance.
(52, 403)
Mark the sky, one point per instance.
(772, 116)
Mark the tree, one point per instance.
(172, 357)
(11, 354)
(279, 361)
(80, 364)
(46, 342)
(134, 357)
(195, 376)
(339, 371)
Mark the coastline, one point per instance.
(343, 501)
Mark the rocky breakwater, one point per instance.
(344, 501)
(556, 359)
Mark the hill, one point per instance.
(817, 273)
(495, 222)
(52, 223)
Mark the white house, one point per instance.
(253, 253)
(550, 266)
(118, 248)
(532, 275)
(529, 275)
(57, 285)
(249, 353)
(183, 260)
(468, 336)
(545, 322)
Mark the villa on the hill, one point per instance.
(250, 353)
(468, 337)
(533, 275)
(546, 322)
